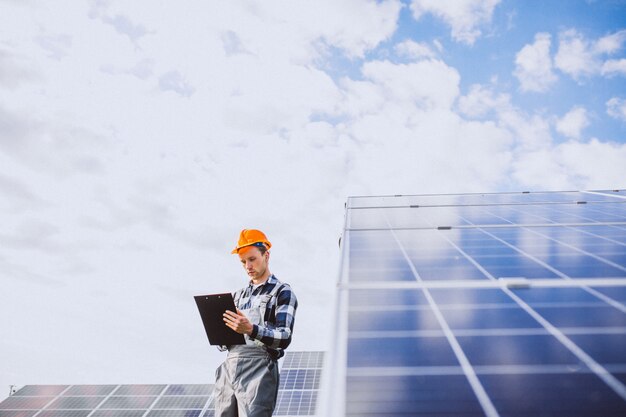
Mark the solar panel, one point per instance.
(298, 392)
(118, 413)
(174, 413)
(179, 402)
(41, 390)
(141, 402)
(507, 304)
(140, 389)
(189, 389)
(90, 390)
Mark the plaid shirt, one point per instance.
(279, 315)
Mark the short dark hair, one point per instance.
(262, 249)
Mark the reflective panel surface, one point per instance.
(300, 375)
(509, 304)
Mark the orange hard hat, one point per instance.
(252, 237)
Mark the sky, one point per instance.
(138, 138)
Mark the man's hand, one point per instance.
(238, 322)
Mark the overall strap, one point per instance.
(266, 299)
(237, 296)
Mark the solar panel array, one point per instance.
(510, 304)
(297, 396)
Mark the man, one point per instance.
(246, 384)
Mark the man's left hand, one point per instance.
(238, 322)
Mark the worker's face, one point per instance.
(254, 262)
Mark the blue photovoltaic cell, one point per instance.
(555, 295)
(595, 316)
(469, 297)
(607, 349)
(386, 297)
(571, 395)
(433, 265)
(516, 350)
(492, 318)
(392, 320)
(401, 351)
(616, 293)
(437, 395)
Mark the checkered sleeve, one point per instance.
(278, 335)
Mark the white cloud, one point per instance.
(572, 123)
(15, 69)
(56, 45)
(428, 84)
(616, 108)
(465, 17)
(580, 57)
(613, 67)
(533, 65)
(100, 9)
(174, 81)
(573, 165)
(414, 50)
(482, 101)
(575, 55)
(611, 43)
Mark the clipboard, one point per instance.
(212, 308)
